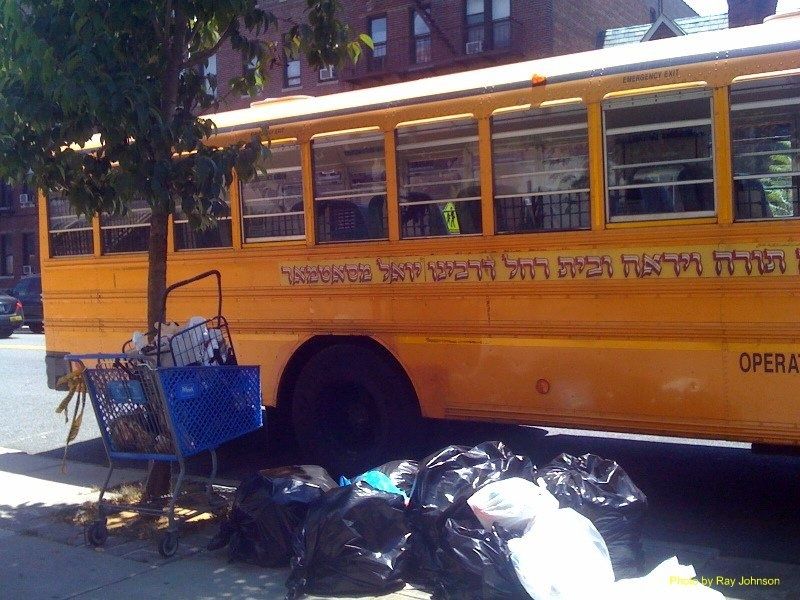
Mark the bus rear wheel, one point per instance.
(352, 409)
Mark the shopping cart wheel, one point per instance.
(97, 534)
(168, 544)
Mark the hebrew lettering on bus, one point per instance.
(766, 261)
(517, 266)
(461, 270)
(652, 265)
(327, 274)
(572, 266)
(400, 271)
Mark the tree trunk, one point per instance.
(157, 265)
(176, 44)
(158, 478)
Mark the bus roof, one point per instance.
(774, 36)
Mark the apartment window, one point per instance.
(129, 232)
(765, 130)
(29, 262)
(659, 157)
(291, 73)
(272, 202)
(488, 25)
(6, 196)
(378, 32)
(70, 234)
(439, 179)
(350, 187)
(209, 74)
(476, 25)
(541, 170)
(421, 48)
(6, 256)
(501, 23)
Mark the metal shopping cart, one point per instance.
(151, 412)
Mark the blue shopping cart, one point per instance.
(151, 412)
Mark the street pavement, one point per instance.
(42, 555)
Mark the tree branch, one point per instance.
(199, 57)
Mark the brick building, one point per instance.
(19, 242)
(416, 39)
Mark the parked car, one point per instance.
(29, 291)
(11, 316)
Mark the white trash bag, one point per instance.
(668, 581)
(562, 556)
(511, 503)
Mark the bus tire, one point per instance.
(352, 409)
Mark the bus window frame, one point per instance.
(641, 97)
(744, 80)
(239, 184)
(328, 138)
(511, 112)
(92, 225)
(463, 117)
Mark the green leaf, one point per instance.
(367, 41)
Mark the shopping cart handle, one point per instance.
(82, 357)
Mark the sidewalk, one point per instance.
(42, 555)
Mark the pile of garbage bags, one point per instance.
(464, 523)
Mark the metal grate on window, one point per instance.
(439, 178)
(350, 187)
(126, 233)
(69, 234)
(541, 170)
(765, 128)
(272, 202)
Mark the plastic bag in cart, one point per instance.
(268, 509)
(447, 478)
(352, 543)
(602, 491)
(562, 557)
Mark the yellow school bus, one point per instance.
(605, 240)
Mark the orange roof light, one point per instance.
(538, 79)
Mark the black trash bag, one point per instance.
(352, 543)
(267, 510)
(446, 479)
(403, 473)
(472, 563)
(602, 491)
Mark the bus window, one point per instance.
(350, 187)
(439, 179)
(659, 157)
(765, 133)
(126, 233)
(70, 235)
(272, 202)
(216, 235)
(541, 170)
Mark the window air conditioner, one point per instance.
(326, 74)
(24, 200)
(27, 270)
(475, 47)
